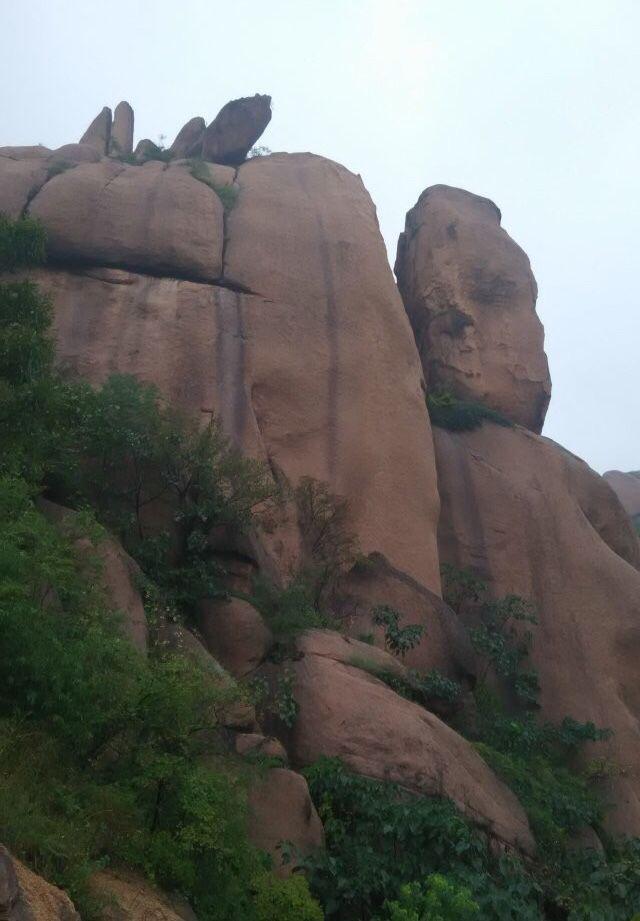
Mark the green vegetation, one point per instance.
(379, 837)
(22, 243)
(438, 900)
(431, 689)
(228, 194)
(284, 900)
(448, 412)
(399, 640)
(106, 755)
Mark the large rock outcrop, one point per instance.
(470, 294)
(535, 521)
(303, 350)
(150, 218)
(345, 712)
(235, 129)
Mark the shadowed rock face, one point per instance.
(235, 129)
(470, 295)
(538, 522)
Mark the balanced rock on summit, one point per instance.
(470, 295)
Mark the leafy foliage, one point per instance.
(448, 412)
(399, 640)
(284, 899)
(109, 726)
(438, 900)
(329, 545)
(379, 837)
(429, 689)
(22, 243)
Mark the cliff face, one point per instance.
(282, 318)
(258, 291)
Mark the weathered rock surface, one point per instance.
(153, 218)
(345, 712)
(235, 129)
(121, 137)
(253, 743)
(280, 809)
(627, 488)
(76, 153)
(125, 896)
(25, 896)
(235, 634)
(27, 152)
(19, 181)
(445, 644)
(316, 372)
(537, 522)
(470, 295)
(188, 141)
(98, 133)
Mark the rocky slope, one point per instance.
(258, 290)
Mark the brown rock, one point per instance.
(280, 809)
(317, 374)
(235, 634)
(537, 522)
(25, 896)
(340, 394)
(253, 743)
(627, 488)
(30, 152)
(470, 295)
(235, 129)
(445, 643)
(125, 896)
(120, 575)
(188, 142)
(149, 217)
(146, 150)
(19, 182)
(121, 137)
(345, 712)
(98, 133)
(76, 153)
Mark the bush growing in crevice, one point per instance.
(228, 194)
(448, 412)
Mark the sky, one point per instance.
(532, 103)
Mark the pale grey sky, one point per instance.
(533, 103)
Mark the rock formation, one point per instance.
(470, 294)
(537, 522)
(346, 712)
(235, 129)
(301, 346)
(627, 488)
(98, 134)
(258, 291)
(121, 137)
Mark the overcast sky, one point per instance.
(532, 103)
